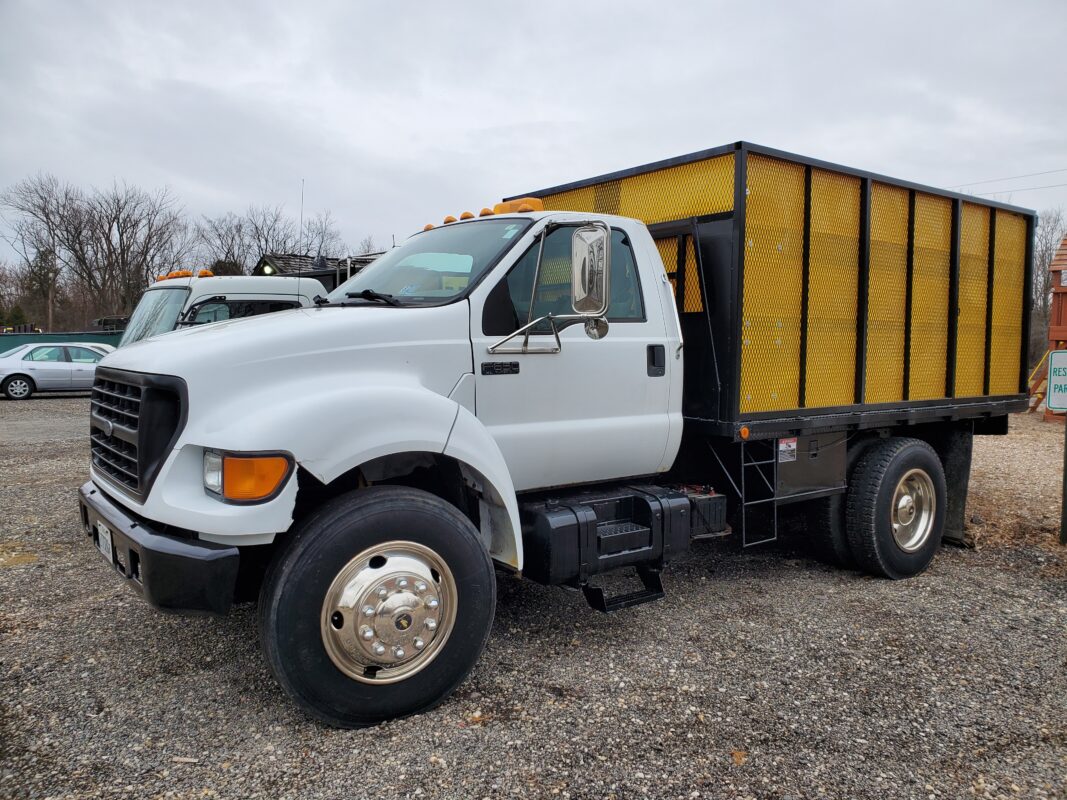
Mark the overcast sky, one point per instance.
(396, 114)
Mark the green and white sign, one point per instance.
(1057, 381)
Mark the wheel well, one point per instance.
(443, 476)
(439, 475)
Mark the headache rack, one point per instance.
(815, 296)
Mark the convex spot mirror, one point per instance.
(596, 327)
(590, 267)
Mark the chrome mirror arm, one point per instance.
(524, 331)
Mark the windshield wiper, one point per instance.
(370, 294)
(319, 300)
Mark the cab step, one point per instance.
(650, 580)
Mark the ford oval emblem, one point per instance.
(109, 428)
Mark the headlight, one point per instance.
(213, 471)
(245, 477)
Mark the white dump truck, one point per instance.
(184, 298)
(581, 379)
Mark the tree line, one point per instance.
(81, 254)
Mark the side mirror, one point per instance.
(590, 267)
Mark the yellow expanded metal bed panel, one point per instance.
(833, 270)
(931, 266)
(687, 190)
(692, 300)
(974, 276)
(1009, 271)
(668, 251)
(773, 277)
(887, 294)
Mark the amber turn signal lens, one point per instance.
(252, 477)
(744, 432)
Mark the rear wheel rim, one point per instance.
(914, 507)
(388, 612)
(18, 388)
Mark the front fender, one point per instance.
(328, 431)
(477, 452)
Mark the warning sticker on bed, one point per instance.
(787, 450)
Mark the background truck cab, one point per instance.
(182, 298)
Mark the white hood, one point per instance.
(430, 346)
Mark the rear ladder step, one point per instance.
(653, 590)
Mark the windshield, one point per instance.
(156, 313)
(435, 267)
(12, 351)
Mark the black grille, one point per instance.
(134, 422)
(113, 443)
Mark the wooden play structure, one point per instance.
(1057, 335)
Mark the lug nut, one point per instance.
(431, 624)
(383, 593)
(398, 652)
(366, 633)
(379, 649)
(368, 611)
(402, 583)
(420, 587)
(419, 644)
(432, 602)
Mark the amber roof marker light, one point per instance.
(523, 205)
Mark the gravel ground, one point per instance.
(763, 675)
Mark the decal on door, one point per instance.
(500, 367)
(787, 450)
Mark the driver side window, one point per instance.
(507, 307)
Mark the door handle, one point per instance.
(657, 360)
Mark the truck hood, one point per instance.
(430, 346)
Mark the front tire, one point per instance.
(377, 607)
(17, 387)
(896, 508)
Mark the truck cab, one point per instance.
(447, 379)
(181, 299)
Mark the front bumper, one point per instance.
(172, 574)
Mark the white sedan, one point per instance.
(48, 367)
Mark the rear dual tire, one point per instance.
(890, 521)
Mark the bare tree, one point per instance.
(37, 276)
(269, 230)
(321, 237)
(366, 245)
(225, 244)
(1048, 234)
(109, 242)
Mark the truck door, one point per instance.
(596, 410)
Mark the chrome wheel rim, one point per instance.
(18, 388)
(388, 612)
(914, 504)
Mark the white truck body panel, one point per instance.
(338, 387)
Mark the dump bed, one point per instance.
(817, 296)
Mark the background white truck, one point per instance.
(184, 298)
(512, 389)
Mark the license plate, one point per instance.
(103, 541)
